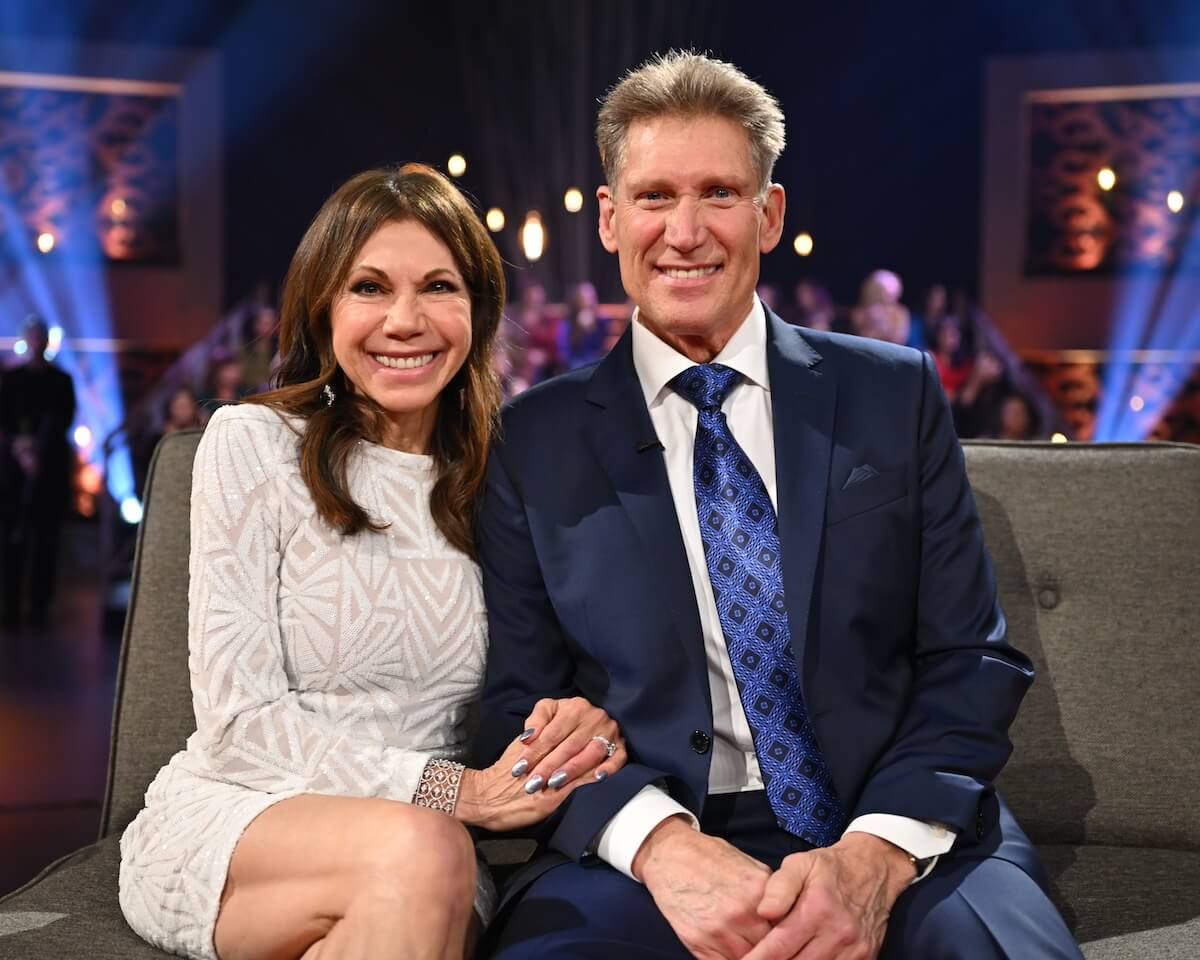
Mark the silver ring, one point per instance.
(609, 747)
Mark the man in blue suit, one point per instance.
(756, 548)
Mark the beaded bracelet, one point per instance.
(438, 788)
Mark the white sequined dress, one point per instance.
(319, 663)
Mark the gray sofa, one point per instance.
(1097, 550)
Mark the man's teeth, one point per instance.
(404, 363)
(692, 274)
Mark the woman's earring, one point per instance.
(329, 395)
(462, 398)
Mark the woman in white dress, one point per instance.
(337, 632)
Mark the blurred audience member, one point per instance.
(533, 366)
(977, 405)
(520, 316)
(1018, 420)
(531, 305)
(617, 325)
(256, 356)
(937, 303)
(180, 412)
(880, 315)
(813, 307)
(769, 294)
(879, 321)
(224, 382)
(541, 327)
(582, 333)
(37, 406)
(526, 343)
(502, 359)
(954, 365)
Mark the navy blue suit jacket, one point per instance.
(908, 676)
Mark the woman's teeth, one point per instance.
(404, 363)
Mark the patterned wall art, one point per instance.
(1113, 180)
(1168, 390)
(92, 163)
(1181, 421)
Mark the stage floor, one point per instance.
(56, 696)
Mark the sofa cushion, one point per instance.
(1179, 942)
(1110, 891)
(1098, 560)
(71, 911)
(1132, 903)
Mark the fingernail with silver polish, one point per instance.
(601, 774)
(534, 784)
(520, 767)
(557, 780)
(525, 735)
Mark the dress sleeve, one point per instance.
(250, 724)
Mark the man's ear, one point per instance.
(774, 205)
(608, 209)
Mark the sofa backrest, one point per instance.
(1097, 553)
(152, 712)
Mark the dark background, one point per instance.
(883, 102)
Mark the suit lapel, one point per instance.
(803, 400)
(622, 436)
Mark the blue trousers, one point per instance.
(966, 909)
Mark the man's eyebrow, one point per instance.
(648, 183)
(728, 178)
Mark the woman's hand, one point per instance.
(555, 756)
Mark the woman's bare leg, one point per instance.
(318, 950)
(336, 878)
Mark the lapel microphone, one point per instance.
(650, 445)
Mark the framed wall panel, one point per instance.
(93, 164)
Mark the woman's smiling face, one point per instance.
(401, 327)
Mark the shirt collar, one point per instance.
(657, 363)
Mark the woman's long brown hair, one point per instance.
(316, 277)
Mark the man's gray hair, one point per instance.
(687, 84)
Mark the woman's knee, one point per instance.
(415, 847)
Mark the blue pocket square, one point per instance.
(860, 475)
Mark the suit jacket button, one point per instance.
(700, 741)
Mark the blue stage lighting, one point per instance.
(1156, 324)
(1156, 335)
(131, 510)
(68, 289)
(54, 342)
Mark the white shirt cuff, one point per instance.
(925, 841)
(623, 836)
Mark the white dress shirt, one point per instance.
(747, 409)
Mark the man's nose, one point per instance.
(685, 231)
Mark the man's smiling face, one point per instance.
(689, 224)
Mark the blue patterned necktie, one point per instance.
(741, 546)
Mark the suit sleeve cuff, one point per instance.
(925, 841)
(622, 837)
